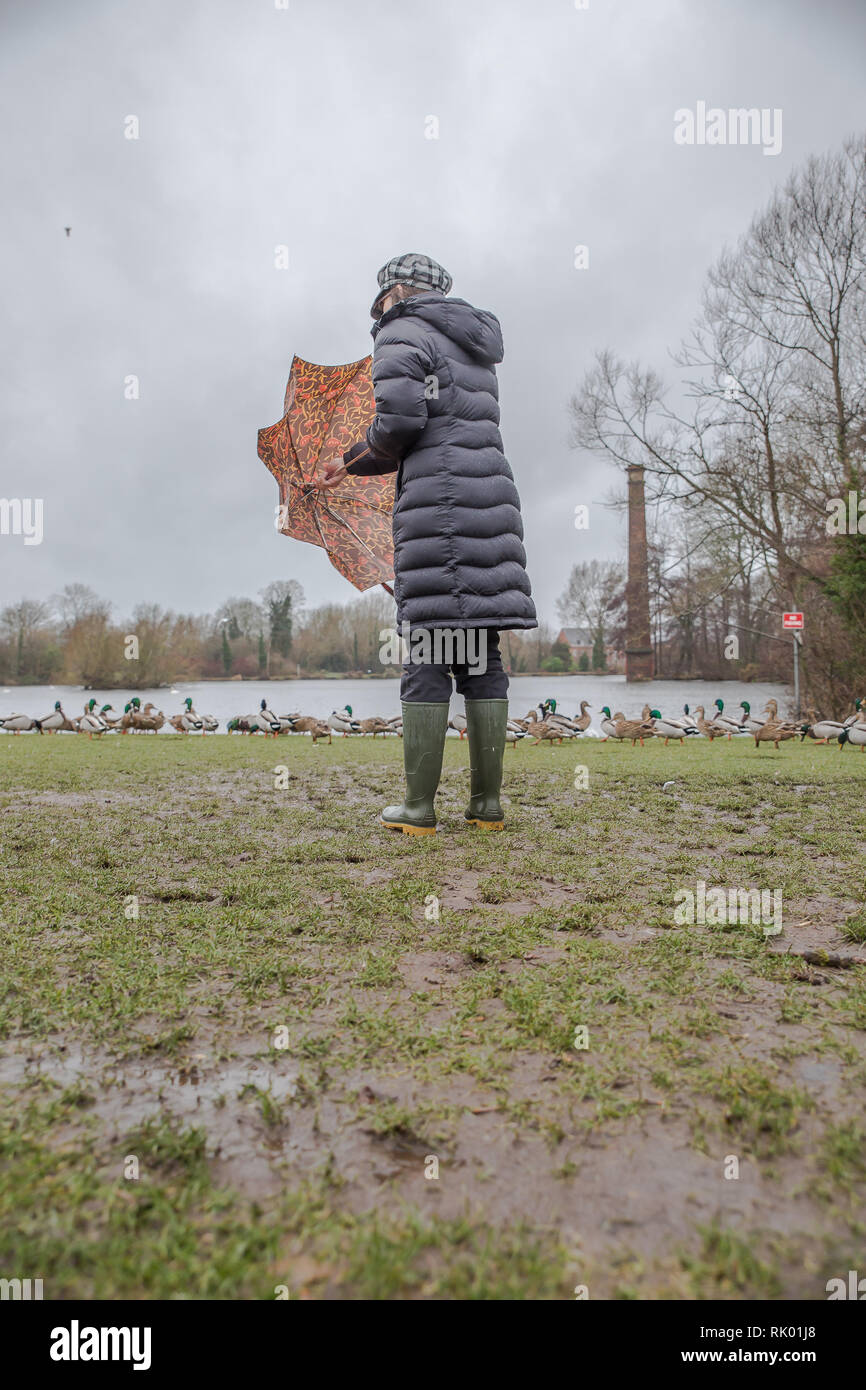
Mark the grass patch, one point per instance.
(412, 1031)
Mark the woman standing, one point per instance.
(459, 563)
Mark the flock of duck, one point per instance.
(767, 729)
(542, 724)
(133, 719)
(545, 724)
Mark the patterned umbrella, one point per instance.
(327, 409)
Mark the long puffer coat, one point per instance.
(458, 535)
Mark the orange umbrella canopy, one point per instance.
(327, 409)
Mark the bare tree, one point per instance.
(765, 426)
(243, 617)
(593, 591)
(772, 424)
(77, 601)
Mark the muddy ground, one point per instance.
(253, 1041)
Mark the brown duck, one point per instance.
(708, 727)
(775, 730)
(634, 730)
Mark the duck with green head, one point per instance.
(855, 733)
(208, 723)
(264, 721)
(343, 722)
(724, 721)
(90, 722)
(568, 727)
(608, 728)
(55, 721)
(187, 722)
(669, 728)
(749, 721)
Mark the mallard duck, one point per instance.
(774, 731)
(608, 728)
(855, 733)
(542, 732)
(308, 724)
(125, 723)
(187, 721)
(551, 717)
(342, 721)
(209, 724)
(20, 724)
(149, 720)
(90, 722)
(56, 720)
(852, 718)
(265, 721)
(583, 720)
(670, 728)
(749, 721)
(108, 716)
(688, 719)
(130, 710)
(708, 727)
(687, 722)
(724, 721)
(633, 730)
(374, 725)
(821, 730)
(458, 723)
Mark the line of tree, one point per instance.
(75, 639)
(749, 453)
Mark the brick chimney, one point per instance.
(639, 663)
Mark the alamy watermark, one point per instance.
(854, 1288)
(846, 517)
(22, 516)
(738, 125)
(20, 1289)
(434, 646)
(77, 1343)
(719, 907)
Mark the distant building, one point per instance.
(579, 642)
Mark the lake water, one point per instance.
(224, 699)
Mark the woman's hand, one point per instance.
(330, 473)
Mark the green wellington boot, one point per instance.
(424, 729)
(485, 727)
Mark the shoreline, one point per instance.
(390, 676)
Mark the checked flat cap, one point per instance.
(412, 269)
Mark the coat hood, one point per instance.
(476, 331)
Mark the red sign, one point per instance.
(792, 620)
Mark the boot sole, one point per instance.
(486, 824)
(408, 829)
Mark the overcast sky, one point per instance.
(307, 126)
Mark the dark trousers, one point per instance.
(429, 682)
